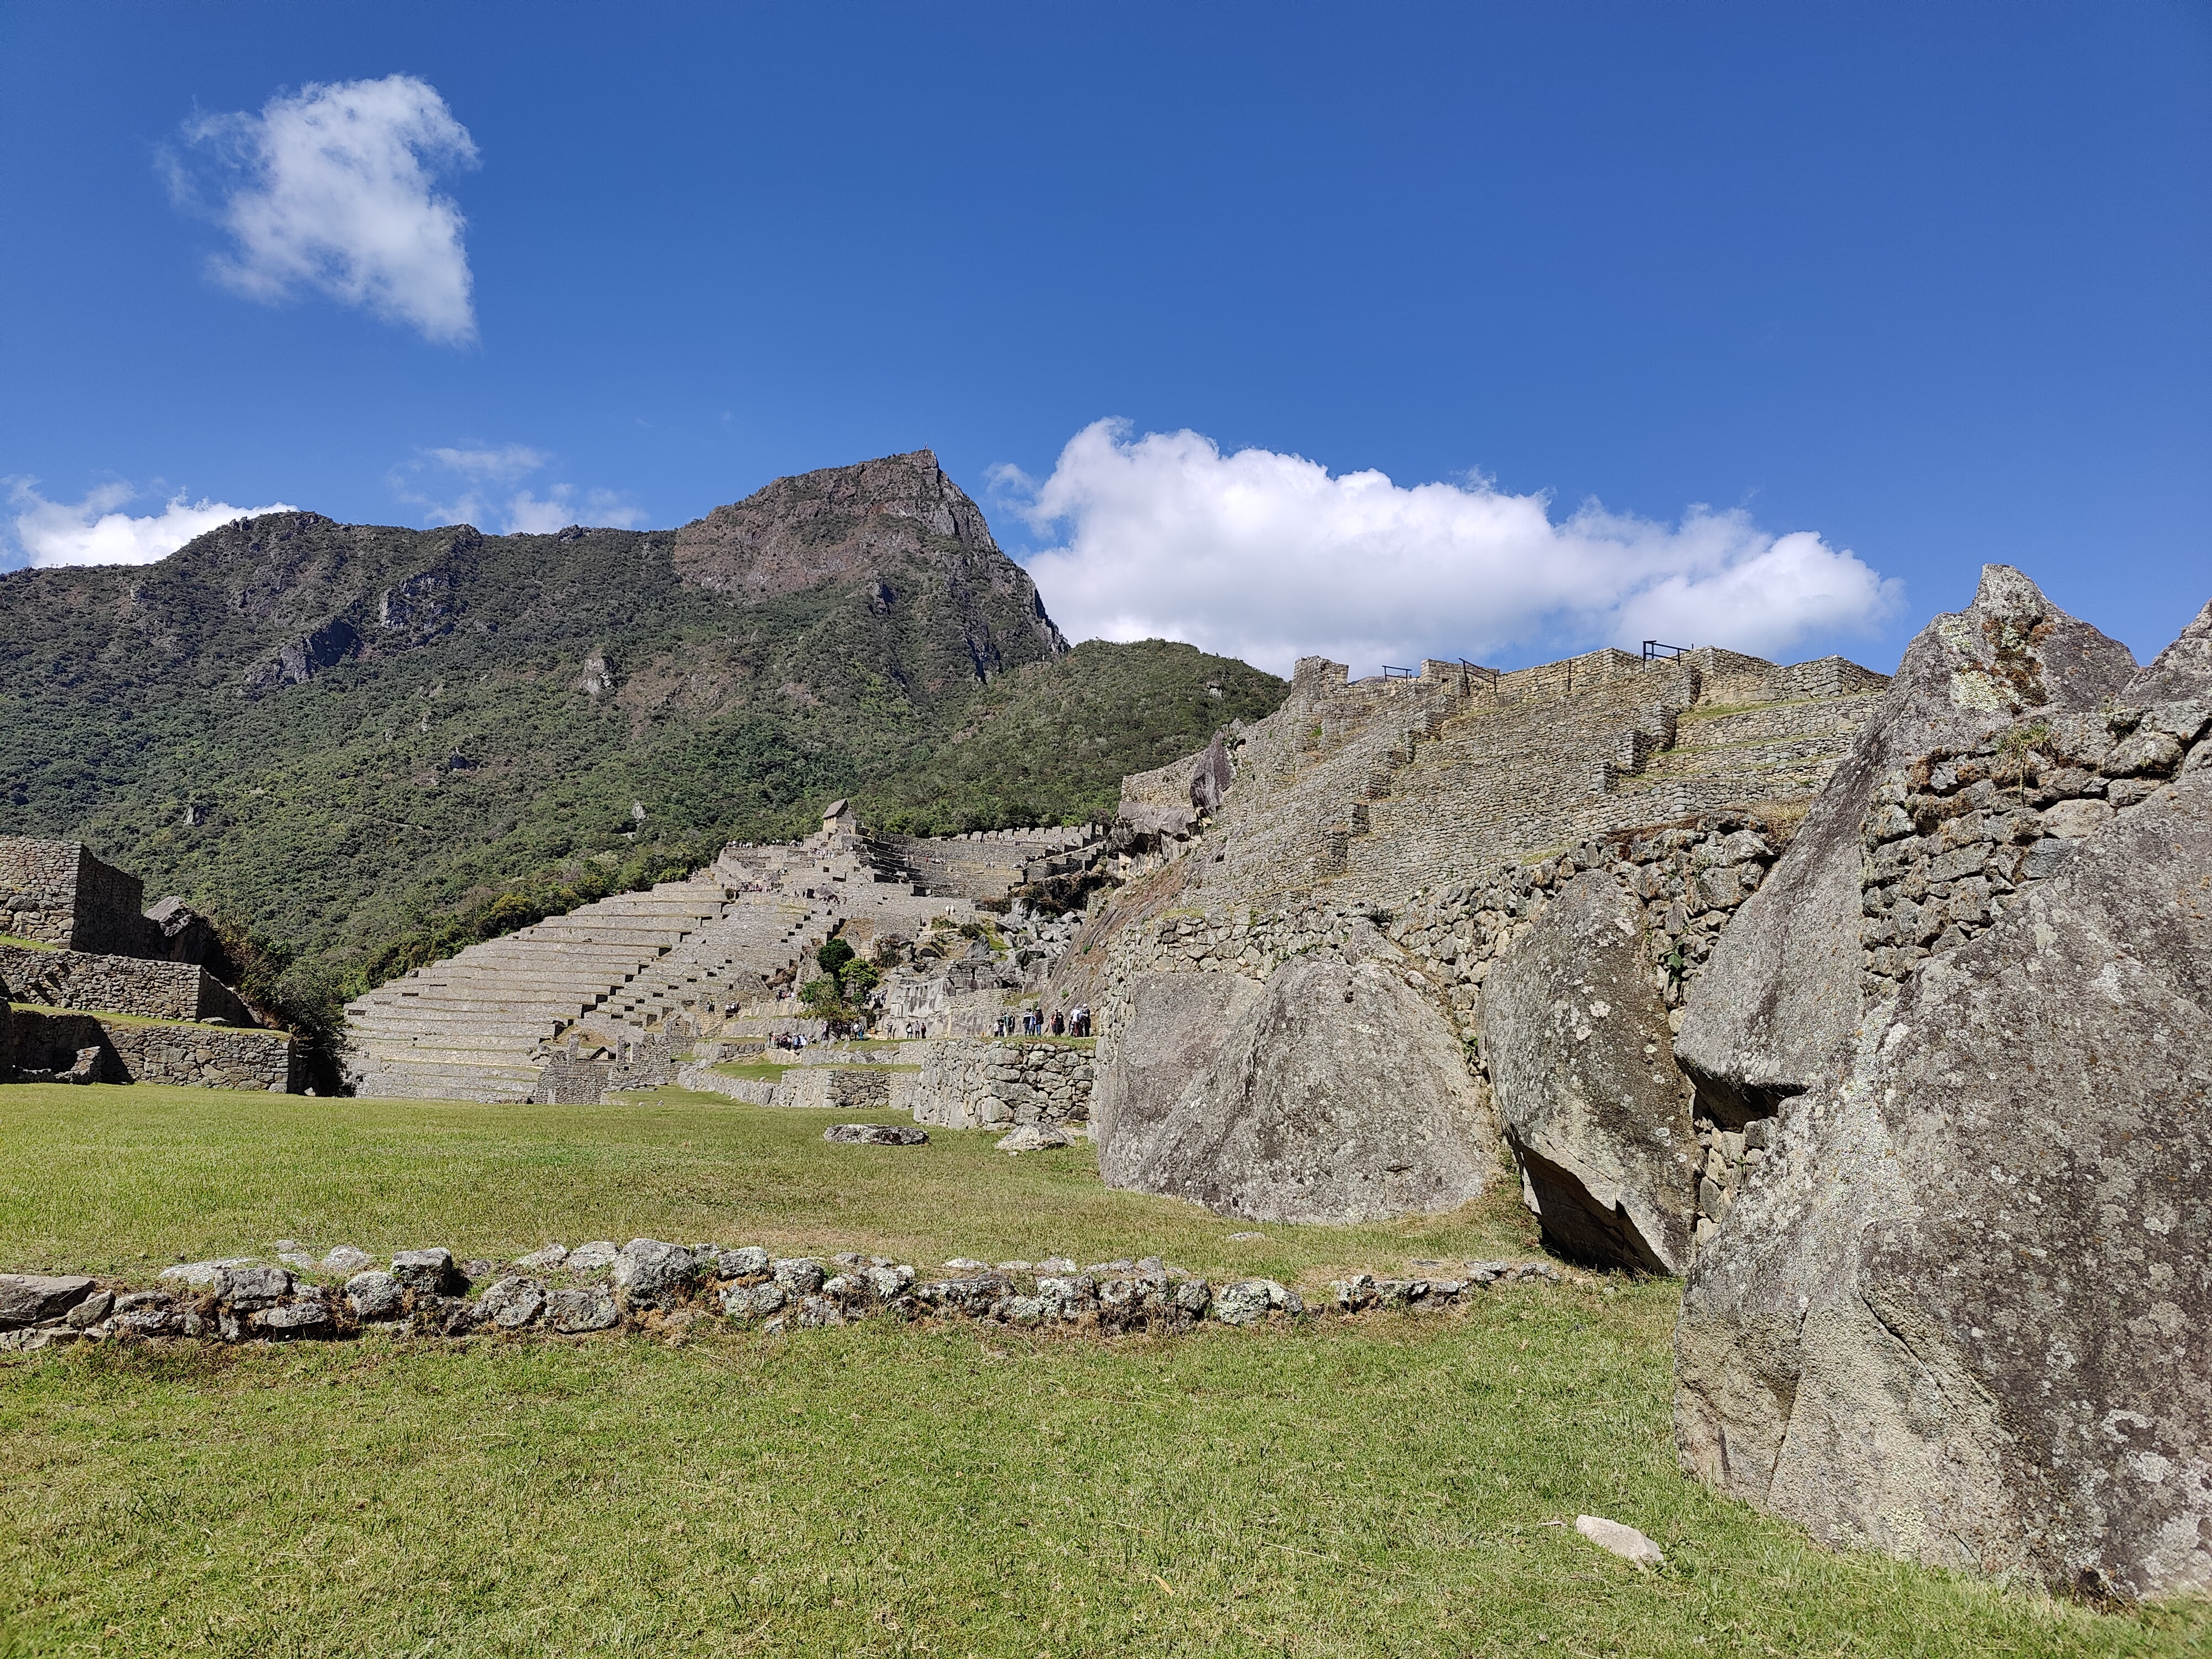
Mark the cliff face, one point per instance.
(896, 530)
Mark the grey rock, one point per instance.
(1192, 1297)
(512, 1303)
(1033, 1138)
(887, 1284)
(254, 1287)
(649, 1273)
(375, 1295)
(1779, 1001)
(575, 1309)
(753, 1301)
(1056, 1264)
(1175, 1026)
(345, 1259)
(204, 1275)
(1339, 1096)
(27, 1299)
(1963, 1321)
(744, 1262)
(146, 1313)
(1624, 1541)
(1029, 1309)
(799, 1274)
(1247, 1301)
(816, 1311)
(430, 1271)
(545, 1261)
(591, 1257)
(90, 1311)
(875, 1134)
(964, 1264)
(1582, 1064)
(306, 1317)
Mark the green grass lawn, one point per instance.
(1386, 1487)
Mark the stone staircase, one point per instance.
(726, 962)
(474, 1026)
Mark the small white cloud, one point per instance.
(92, 531)
(523, 512)
(498, 465)
(1265, 557)
(332, 187)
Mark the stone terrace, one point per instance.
(484, 1025)
(1381, 787)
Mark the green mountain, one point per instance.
(368, 744)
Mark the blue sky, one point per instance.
(1886, 292)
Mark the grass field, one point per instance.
(1386, 1487)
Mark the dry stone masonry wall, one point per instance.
(1954, 838)
(667, 1289)
(985, 1085)
(122, 984)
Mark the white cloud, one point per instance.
(92, 531)
(332, 188)
(499, 465)
(1266, 557)
(524, 511)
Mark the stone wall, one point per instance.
(54, 1043)
(122, 984)
(985, 864)
(1952, 840)
(980, 1086)
(644, 1062)
(205, 1056)
(58, 892)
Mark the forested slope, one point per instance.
(343, 736)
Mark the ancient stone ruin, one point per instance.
(1409, 933)
(669, 985)
(1897, 1040)
(106, 993)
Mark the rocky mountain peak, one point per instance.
(869, 522)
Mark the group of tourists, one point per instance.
(1034, 1022)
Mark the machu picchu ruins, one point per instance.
(1870, 1009)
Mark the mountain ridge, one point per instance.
(335, 733)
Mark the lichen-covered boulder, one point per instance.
(1582, 1063)
(1962, 1313)
(1778, 1003)
(1339, 1095)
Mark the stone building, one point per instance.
(106, 993)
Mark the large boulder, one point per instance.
(1583, 1065)
(1778, 1007)
(1337, 1094)
(1964, 1313)
(1175, 1026)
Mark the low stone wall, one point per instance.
(664, 1290)
(206, 1056)
(981, 1085)
(122, 985)
(55, 1044)
(646, 1062)
(842, 1088)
